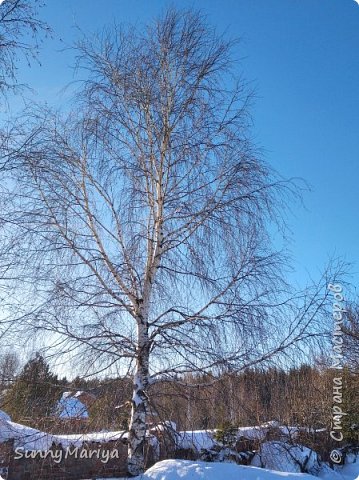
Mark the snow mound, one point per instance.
(24, 437)
(204, 439)
(32, 439)
(285, 457)
(350, 471)
(196, 440)
(29, 438)
(187, 470)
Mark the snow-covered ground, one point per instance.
(188, 470)
(33, 439)
(203, 439)
(274, 461)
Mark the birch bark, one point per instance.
(137, 431)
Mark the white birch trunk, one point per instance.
(137, 430)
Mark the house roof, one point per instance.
(70, 406)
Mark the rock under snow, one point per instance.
(285, 457)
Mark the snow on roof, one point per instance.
(66, 395)
(78, 393)
(71, 407)
(4, 416)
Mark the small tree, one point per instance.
(226, 434)
(34, 393)
(9, 365)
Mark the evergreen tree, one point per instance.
(226, 434)
(34, 392)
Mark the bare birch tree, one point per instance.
(351, 336)
(19, 21)
(143, 216)
(20, 32)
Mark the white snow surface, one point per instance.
(198, 439)
(71, 407)
(278, 465)
(189, 470)
(32, 439)
(284, 457)
(79, 393)
(279, 456)
(66, 395)
(29, 438)
(4, 416)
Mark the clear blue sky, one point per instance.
(303, 57)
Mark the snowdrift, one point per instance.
(187, 470)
